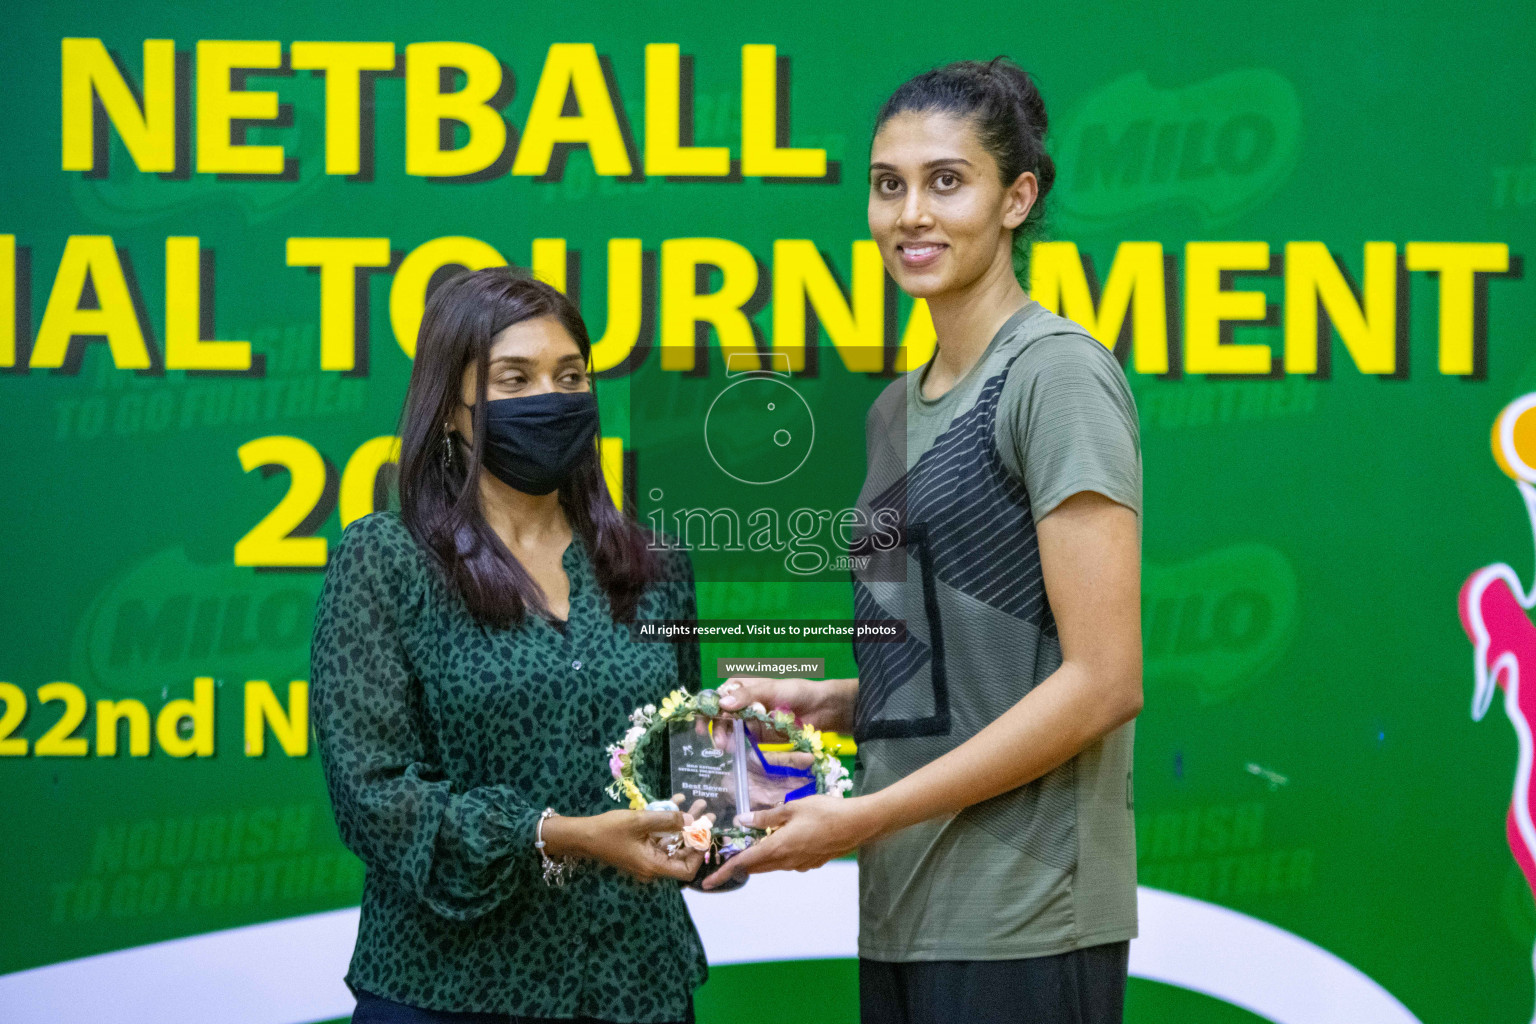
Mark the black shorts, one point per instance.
(1084, 986)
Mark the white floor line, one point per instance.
(289, 971)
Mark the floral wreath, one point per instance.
(629, 755)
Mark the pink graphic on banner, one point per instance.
(1494, 606)
(1496, 621)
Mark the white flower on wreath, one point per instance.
(834, 776)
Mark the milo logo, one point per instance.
(169, 619)
(1215, 147)
(1216, 622)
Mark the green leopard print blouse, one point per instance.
(442, 740)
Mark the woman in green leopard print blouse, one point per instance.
(471, 658)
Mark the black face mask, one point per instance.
(533, 443)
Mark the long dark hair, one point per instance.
(439, 477)
(1006, 107)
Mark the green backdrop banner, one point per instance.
(1301, 228)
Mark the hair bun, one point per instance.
(1021, 87)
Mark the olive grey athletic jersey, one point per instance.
(1044, 414)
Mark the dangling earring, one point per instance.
(447, 454)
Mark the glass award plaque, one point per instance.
(707, 764)
(719, 769)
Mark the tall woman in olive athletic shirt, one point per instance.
(993, 821)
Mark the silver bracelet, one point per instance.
(555, 871)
